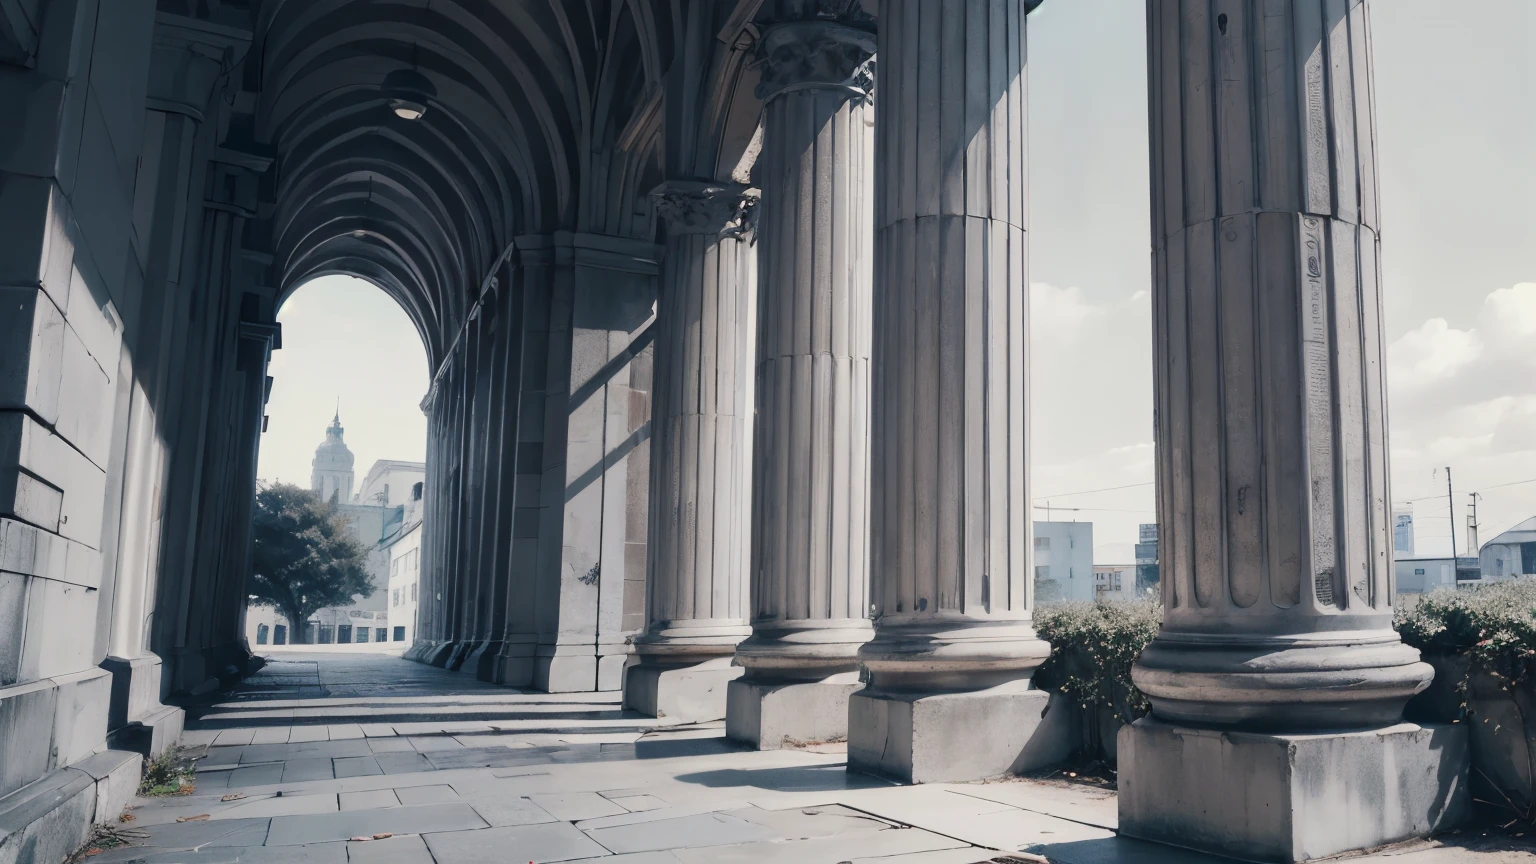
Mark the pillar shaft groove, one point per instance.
(697, 593)
(1270, 376)
(810, 463)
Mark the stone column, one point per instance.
(949, 694)
(1277, 676)
(696, 590)
(810, 486)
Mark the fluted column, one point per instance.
(950, 520)
(810, 484)
(697, 585)
(1273, 503)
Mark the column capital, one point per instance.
(190, 57)
(815, 55)
(696, 207)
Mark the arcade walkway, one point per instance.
(324, 749)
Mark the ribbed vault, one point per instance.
(544, 119)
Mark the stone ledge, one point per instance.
(680, 692)
(1287, 798)
(48, 819)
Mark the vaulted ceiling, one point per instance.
(544, 118)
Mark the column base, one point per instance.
(771, 714)
(680, 692)
(514, 665)
(1289, 798)
(566, 673)
(480, 658)
(927, 737)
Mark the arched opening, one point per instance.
(345, 422)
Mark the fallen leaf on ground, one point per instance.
(234, 797)
(127, 817)
(358, 839)
(201, 817)
(384, 836)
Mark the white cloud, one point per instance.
(1433, 352)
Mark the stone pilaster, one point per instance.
(697, 587)
(810, 486)
(1272, 449)
(949, 669)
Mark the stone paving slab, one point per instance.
(300, 770)
(427, 794)
(371, 800)
(502, 811)
(294, 830)
(356, 766)
(552, 841)
(279, 805)
(575, 806)
(394, 850)
(705, 829)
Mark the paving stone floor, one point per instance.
(325, 749)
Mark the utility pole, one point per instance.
(1472, 544)
(1450, 501)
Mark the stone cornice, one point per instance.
(190, 57)
(815, 55)
(695, 207)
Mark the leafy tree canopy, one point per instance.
(304, 557)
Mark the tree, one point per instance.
(304, 557)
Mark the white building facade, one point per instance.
(1064, 561)
(1114, 582)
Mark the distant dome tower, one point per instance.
(332, 469)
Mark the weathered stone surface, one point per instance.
(47, 820)
(927, 737)
(1288, 798)
(774, 714)
(681, 693)
(27, 716)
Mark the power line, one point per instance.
(1091, 491)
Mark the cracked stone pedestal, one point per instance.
(927, 737)
(1289, 797)
(681, 692)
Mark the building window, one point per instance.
(362, 634)
(280, 635)
(399, 634)
(395, 597)
(344, 634)
(413, 592)
(261, 634)
(1418, 571)
(381, 634)
(327, 634)
(1042, 542)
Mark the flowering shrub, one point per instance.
(1093, 647)
(1493, 626)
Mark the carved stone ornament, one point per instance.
(706, 208)
(815, 55)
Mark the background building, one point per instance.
(1148, 573)
(1402, 529)
(1510, 554)
(331, 474)
(1113, 582)
(1063, 561)
(390, 483)
(404, 548)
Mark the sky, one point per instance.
(1454, 85)
(344, 339)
